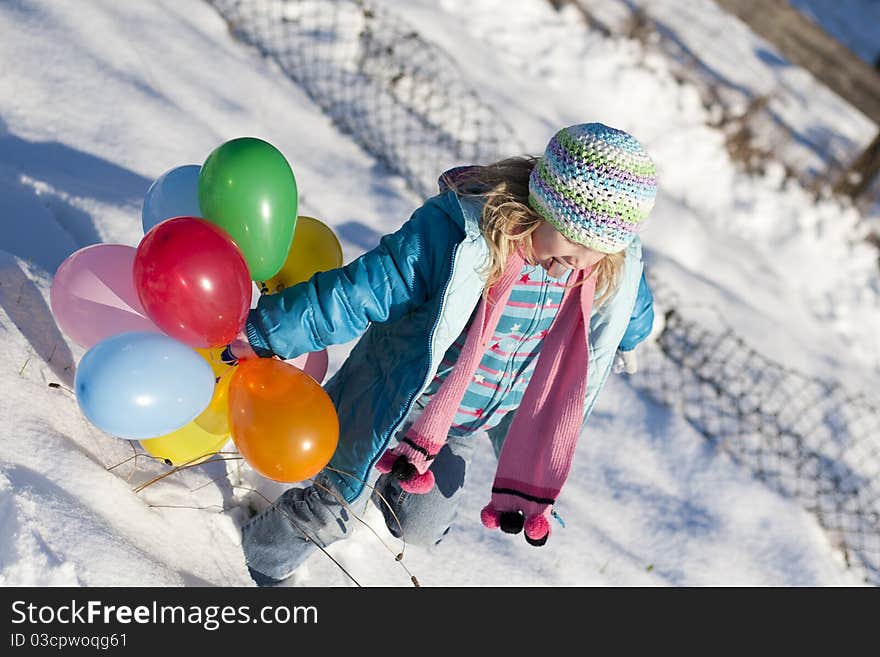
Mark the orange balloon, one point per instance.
(284, 424)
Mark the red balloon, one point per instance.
(193, 281)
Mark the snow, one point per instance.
(99, 99)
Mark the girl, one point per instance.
(499, 307)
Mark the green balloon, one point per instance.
(247, 188)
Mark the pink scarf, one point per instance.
(538, 450)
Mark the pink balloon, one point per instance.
(93, 295)
(313, 364)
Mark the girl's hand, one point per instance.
(409, 463)
(533, 521)
(240, 349)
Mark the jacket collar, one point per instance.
(471, 206)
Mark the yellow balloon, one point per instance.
(188, 445)
(212, 355)
(202, 437)
(215, 418)
(314, 248)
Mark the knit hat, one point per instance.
(596, 185)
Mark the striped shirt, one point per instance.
(500, 380)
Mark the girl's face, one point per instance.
(556, 254)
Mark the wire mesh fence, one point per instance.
(402, 99)
(809, 439)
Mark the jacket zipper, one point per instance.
(412, 398)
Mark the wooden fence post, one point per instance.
(805, 44)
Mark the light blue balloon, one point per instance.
(142, 385)
(174, 194)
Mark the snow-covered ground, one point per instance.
(98, 99)
(804, 125)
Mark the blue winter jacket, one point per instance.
(409, 298)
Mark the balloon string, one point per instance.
(382, 497)
(215, 479)
(398, 557)
(236, 456)
(135, 468)
(344, 503)
(233, 458)
(224, 509)
(320, 547)
(303, 532)
(130, 458)
(184, 506)
(134, 457)
(184, 467)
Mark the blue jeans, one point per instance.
(281, 538)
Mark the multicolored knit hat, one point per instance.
(596, 185)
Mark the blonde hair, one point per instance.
(508, 220)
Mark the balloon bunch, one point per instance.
(156, 318)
